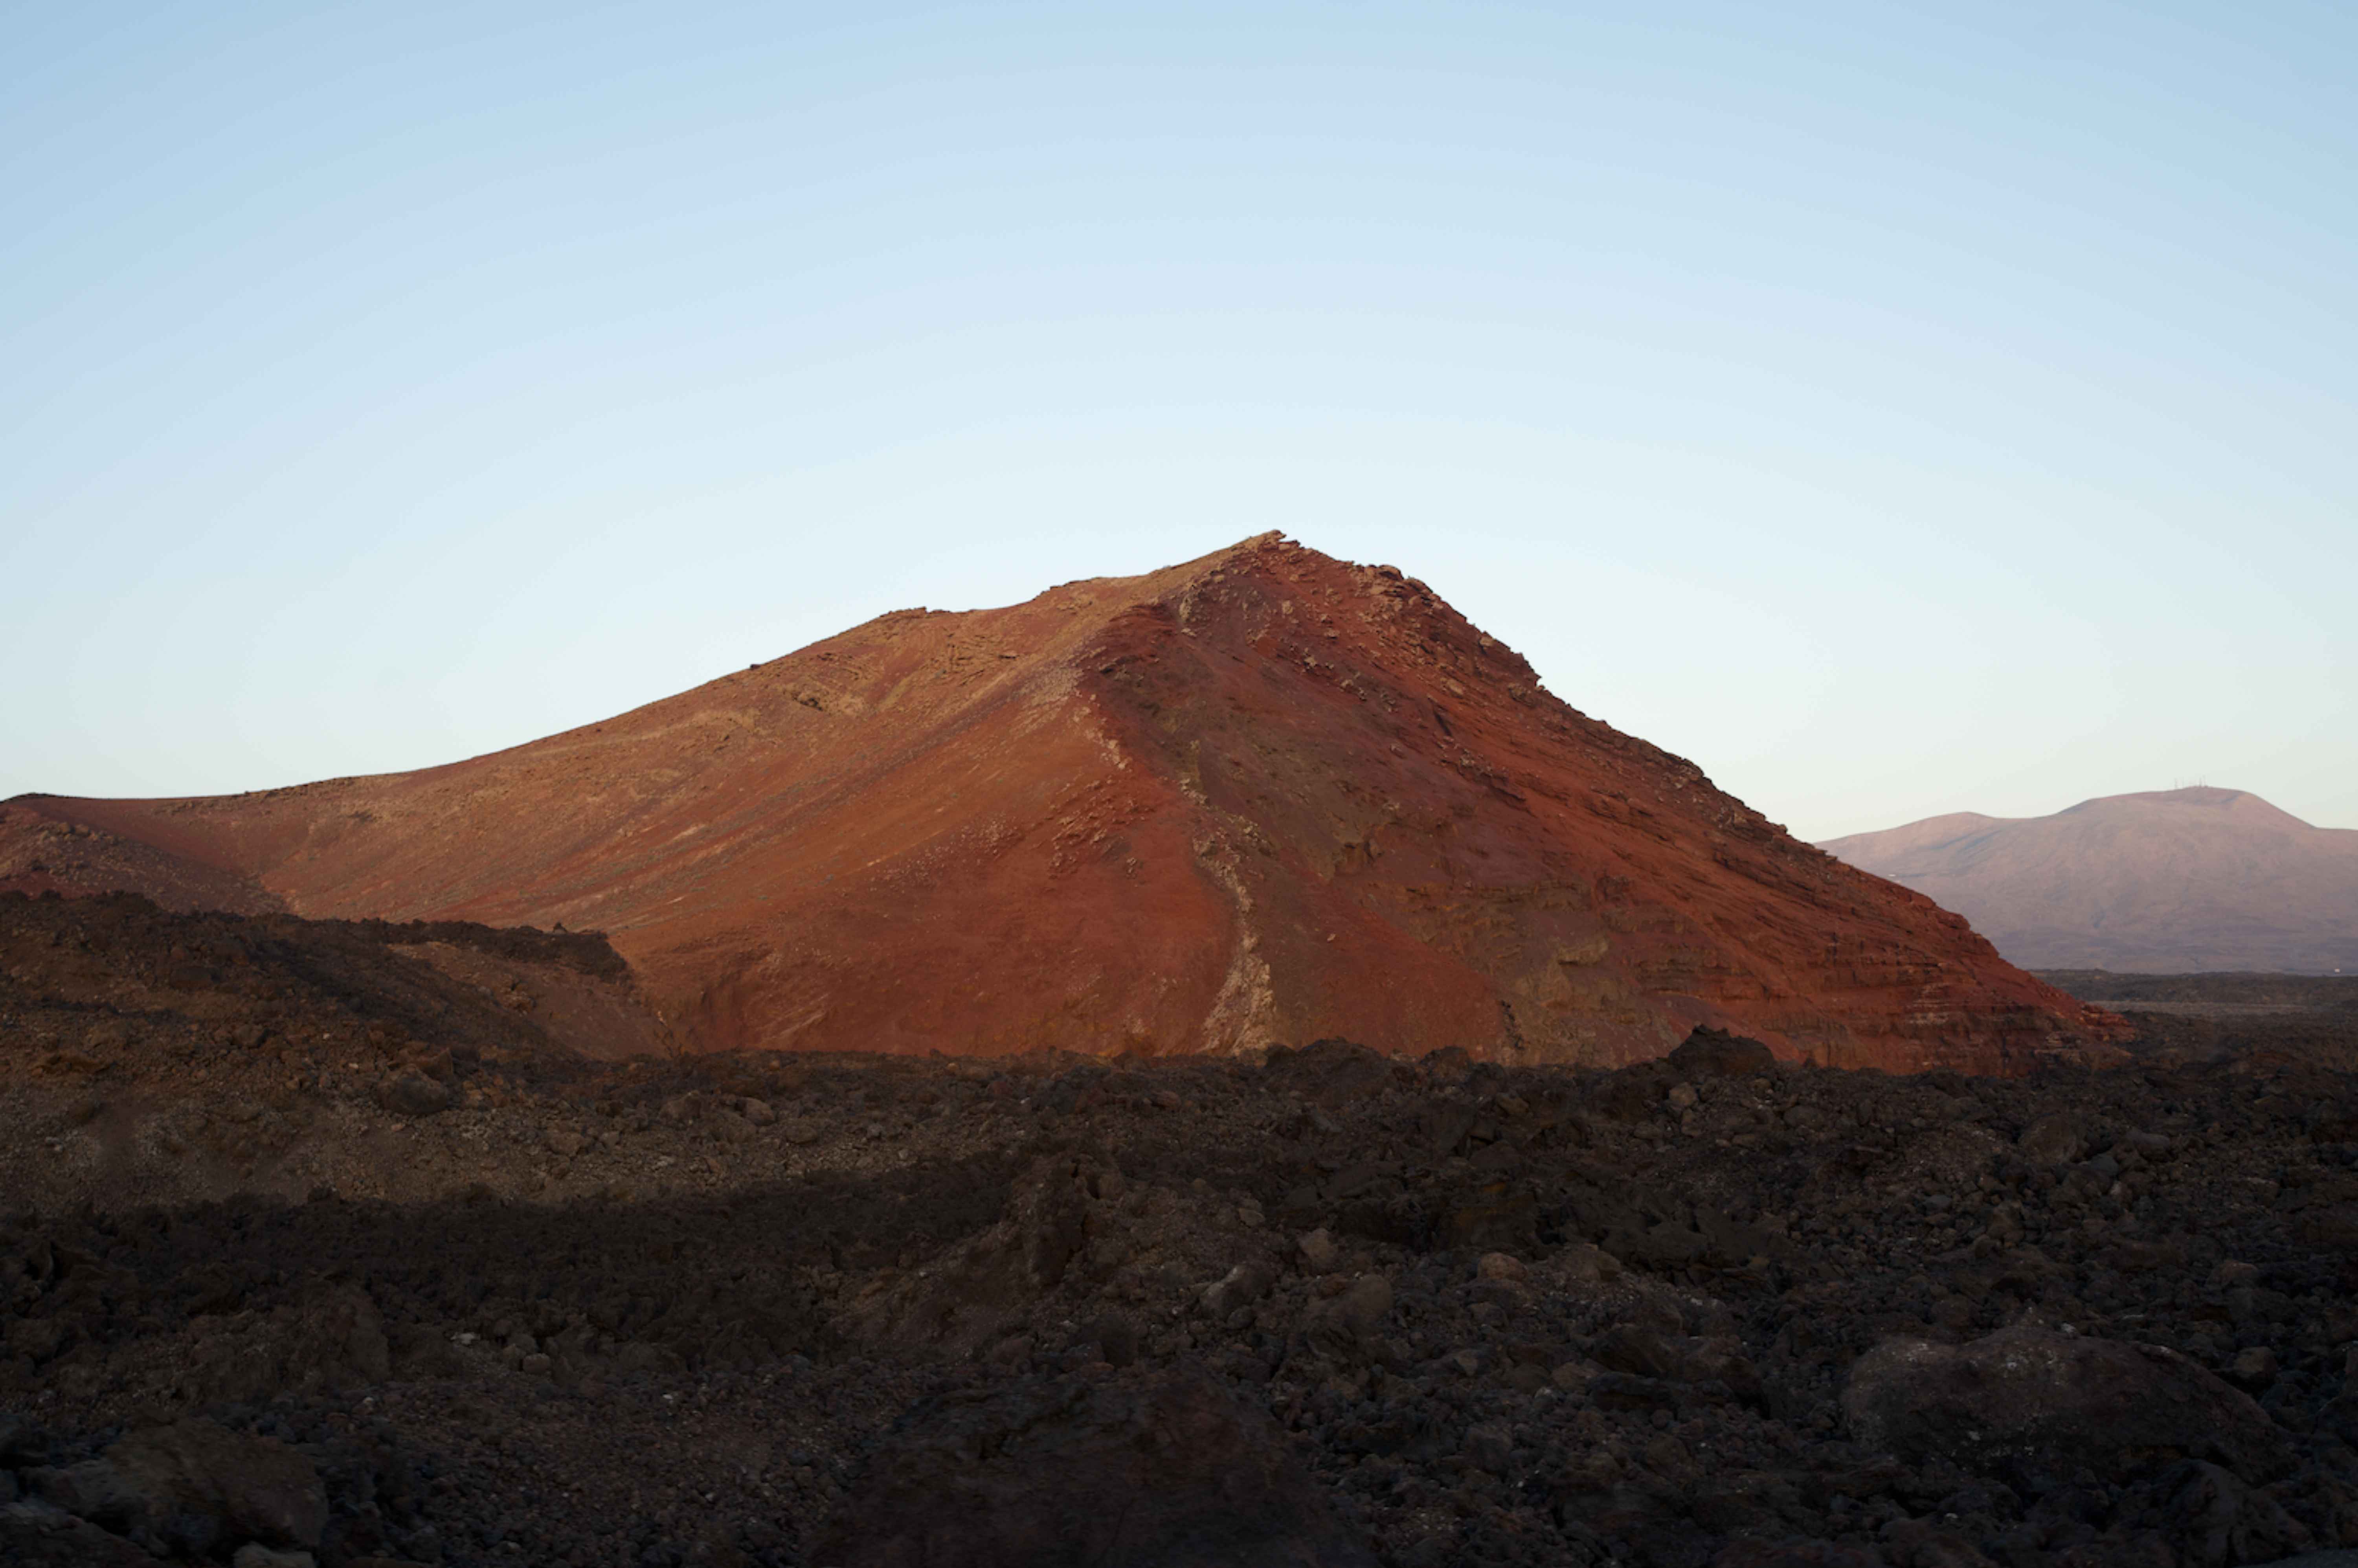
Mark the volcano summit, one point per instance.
(1264, 796)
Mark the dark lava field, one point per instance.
(321, 1244)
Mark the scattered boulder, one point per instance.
(1716, 1053)
(255, 1486)
(2036, 1400)
(21, 1442)
(334, 1339)
(1161, 1472)
(1489, 1446)
(94, 1490)
(1328, 1072)
(1347, 1329)
(981, 1286)
(188, 1489)
(254, 1555)
(1240, 1287)
(2254, 1367)
(1363, 1308)
(2227, 1521)
(1585, 1264)
(2052, 1140)
(637, 1359)
(1629, 1347)
(1918, 1544)
(35, 1535)
(441, 1065)
(413, 1093)
(1507, 1222)
(1795, 1553)
(1116, 1338)
(2333, 1226)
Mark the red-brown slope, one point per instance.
(1263, 796)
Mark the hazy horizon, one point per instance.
(1894, 414)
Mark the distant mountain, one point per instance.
(2169, 881)
(1264, 796)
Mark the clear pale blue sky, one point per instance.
(1897, 409)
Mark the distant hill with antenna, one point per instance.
(2168, 881)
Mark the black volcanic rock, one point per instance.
(792, 1311)
(2037, 1399)
(1169, 1471)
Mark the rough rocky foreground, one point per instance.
(327, 1244)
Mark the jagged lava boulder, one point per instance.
(2043, 1401)
(1265, 797)
(1162, 1471)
